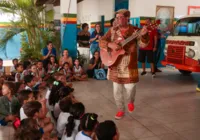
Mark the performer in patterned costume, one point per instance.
(124, 73)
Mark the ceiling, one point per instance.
(54, 2)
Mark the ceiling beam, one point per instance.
(79, 1)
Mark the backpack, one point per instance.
(100, 74)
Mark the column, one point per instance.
(68, 10)
(121, 4)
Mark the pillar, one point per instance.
(68, 10)
(121, 4)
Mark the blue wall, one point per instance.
(12, 48)
(69, 38)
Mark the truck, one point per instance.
(182, 48)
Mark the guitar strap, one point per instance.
(112, 34)
(118, 32)
(112, 39)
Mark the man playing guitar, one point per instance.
(124, 72)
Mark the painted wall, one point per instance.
(87, 11)
(68, 6)
(137, 6)
(106, 8)
(12, 48)
(91, 10)
(13, 45)
(68, 10)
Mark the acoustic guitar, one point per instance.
(110, 56)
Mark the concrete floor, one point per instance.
(167, 107)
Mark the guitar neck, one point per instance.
(136, 34)
(133, 36)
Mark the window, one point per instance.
(188, 27)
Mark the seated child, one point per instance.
(18, 75)
(33, 110)
(2, 69)
(39, 96)
(29, 81)
(67, 72)
(76, 111)
(1, 84)
(107, 130)
(19, 87)
(49, 87)
(65, 105)
(28, 130)
(9, 104)
(88, 124)
(41, 70)
(62, 93)
(78, 72)
(24, 96)
(53, 97)
(61, 77)
(52, 66)
(13, 68)
(26, 67)
(34, 72)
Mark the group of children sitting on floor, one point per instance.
(19, 70)
(41, 106)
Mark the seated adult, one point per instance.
(65, 58)
(47, 52)
(84, 36)
(95, 63)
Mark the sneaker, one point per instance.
(119, 115)
(153, 75)
(143, 73)
(131, 107)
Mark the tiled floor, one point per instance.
(167, 107)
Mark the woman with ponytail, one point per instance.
(77, 110)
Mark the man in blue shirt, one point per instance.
(47, 52)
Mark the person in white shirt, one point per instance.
(77, 110)
(24, 96)
(88, 125)
(58, 92)
(12, 68)
(65, 105)
(62, 106)
(50, 108)
(29, 82)
(18, 75)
